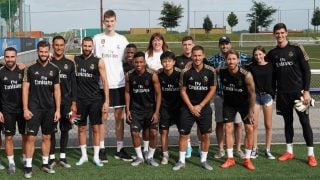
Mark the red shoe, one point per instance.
(312, 161)
(286, 156)
(248, 164)
(228, 163)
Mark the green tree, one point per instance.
(232, 20)
(4, 9)
(207, 25)
(315, 21)
(170, 15)
(260, 16)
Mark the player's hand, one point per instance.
(128, 117)
(155, 118)
(250, 117)
(1, 118)
(306, 97)
(27, 114)
(105, 107)
(195, 111)
(57, 116)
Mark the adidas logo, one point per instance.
(36, 73)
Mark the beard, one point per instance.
(41, 58)
(86, 53)
(10, 64)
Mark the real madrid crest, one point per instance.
(290, 54)
(240, 83)
(205, 79)
(20, 76)
(92, 66)
(65, 66)
(51, 73)
(103, 41)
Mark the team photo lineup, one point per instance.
(152, 91)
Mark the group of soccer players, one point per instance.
(151, 91)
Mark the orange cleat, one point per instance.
(248, 164)
(312, 162)
(286, 156)
(228, 163)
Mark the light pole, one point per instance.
(10, 18)
(188, 18)
(314, 10)
(101, 16)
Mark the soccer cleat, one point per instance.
(103, 156)
(248, 164)
(1, 166)
(27, 172)
(228, 163)
(122, 154)
(46, 168)
(98, 163)
(179, 165)
(312, 162)
(219, 154)
(165, 160)
(81, 161)
(254, 154)
(64, 163)
(206, 165)
(286, 156)
(137, 162)
(152, 162)
(11, 169)
(241, 154)
(52, 163)
(269, 155)
(189, 152)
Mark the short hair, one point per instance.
(43, 43)
(186, 38)
(58, 37)
(231, 51)
(87, 39)
(139, 54)
(197, 48)
(167, 54)
(109, 13)
(131, 45)
(10, 49)
(279, 26)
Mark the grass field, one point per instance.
(116, 169)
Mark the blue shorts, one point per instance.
(264, 99)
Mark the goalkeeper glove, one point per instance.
(74, 118)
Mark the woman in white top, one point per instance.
(156, 47)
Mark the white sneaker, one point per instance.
(81, 161)
(165, 160)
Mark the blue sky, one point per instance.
(61, 15)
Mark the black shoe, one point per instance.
(103, 156)
(122, 154)
(52, 163)
(64, 163)
(46, 168)
(27, 172)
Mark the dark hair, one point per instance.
(109, 13)
(231, 51)
(58, 37)
(10, 49)
(186, 38)
(43, 43)
(258, 48)
(167, 54)
(197, 48)
(139, 54)
(150, 47)
(279, 26)
(87, 39)
(131, 45)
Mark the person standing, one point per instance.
(157, 45)
(131, 49)
(292, 75)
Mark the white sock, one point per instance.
(23, 157)
(52, 156)
(139, 152)
(248, 153)
(151, 152)
(28, 162)
(189, 143)
(119, 145)
(165, 154)
(310, 151)
(83, 151)
(182, 157)
(101, 144)
(290, 148)
(230, 153)
(268, 149)
(145, 145)
(254, 149)
(45, 159)
(62, 155)
(11, 159)
(96, 153)
(204, 156)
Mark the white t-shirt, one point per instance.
(111, 50)
(154, 61)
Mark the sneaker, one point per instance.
(145, 155)
(103, 156)
(27, 172)
(286, 156)
(81, 161)
(189, 152)
(46, 168)
(11, 169)
(64, 163)
(98, 163)
(165, 160)
(269, 155)
(137, 162)
(122, 154)
(248, 164)
(228, 163)
(206, 166)
(179, 165)
(241, 154)
(152, 162)
(312, 161)
(254, 154)
(52, 163)
(1, 166)
(219, 154)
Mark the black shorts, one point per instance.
(10, 121)
(285, 102)
(142, 120)
(168, 118)
(187, 120)
(229, 113)
(64, 123)
(116, 98)
(43, 119)
(91, 109)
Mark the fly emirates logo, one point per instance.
(197, 87)
(283, 62)
(13, 85)
(43, 81)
